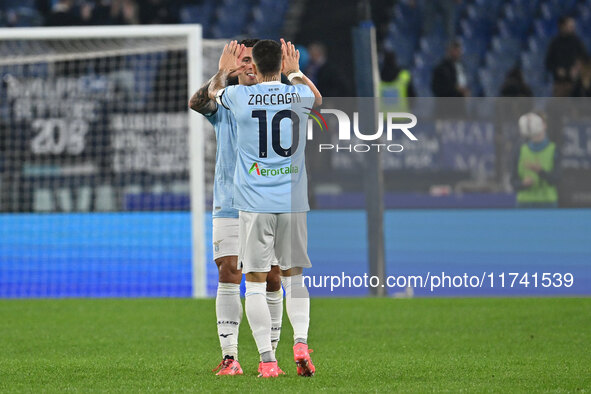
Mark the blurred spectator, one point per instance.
(563, 53)
(12, 18)
(396, 83)
(329, 80)
(125, 12)
(515, 85)
(86, 10)
(444, 9)
(63, 14)
(535, 171)
(583, 84)
(449, 78)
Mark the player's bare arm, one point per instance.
(291, 64)
(200, 101)
(227, 66)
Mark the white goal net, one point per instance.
(101, 162)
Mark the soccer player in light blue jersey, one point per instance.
(271, 187)
(225, 224)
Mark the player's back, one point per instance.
(271, 122)
(225, 162)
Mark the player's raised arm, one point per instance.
(290, 67)
(201, 102)
(227, 65)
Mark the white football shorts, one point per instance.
(225, 237)
(266, 236)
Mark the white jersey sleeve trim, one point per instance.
(218, 97)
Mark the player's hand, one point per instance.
(236, 72)
(229, 59)
(290, 58)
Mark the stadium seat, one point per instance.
(201, 14)
(432, 48)
(490, 81)
(495, 34)
(560, 7)
(515, 22)
(404, 47)
(266, 20)
(422, 82)
(528, 7)
(537, 44)
(42, 200)
(489, 7)
(474, 83)
(507, 48)
(545, 28)
(498, 64)
(407, 18)
(481, 21)
(105, 198)
(530, 61)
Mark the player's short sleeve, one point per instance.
(226, 97)
(214, 116)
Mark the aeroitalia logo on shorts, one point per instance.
(272, 171)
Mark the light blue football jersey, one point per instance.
(224, 125)
(271, 120)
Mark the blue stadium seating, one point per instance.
(496, 35)
(584, 23)
(201, 14)
(220, 19)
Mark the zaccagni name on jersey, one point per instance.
(274, 98)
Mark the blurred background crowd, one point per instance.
(525, 50)
(450, 48)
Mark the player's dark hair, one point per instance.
(266, 54)
(249, 42)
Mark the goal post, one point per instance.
(196, 157)
(61, 112)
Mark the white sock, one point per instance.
(258, 315)
(297, 300)
(275, 303)
(228, 308)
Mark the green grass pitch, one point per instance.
(361, 345)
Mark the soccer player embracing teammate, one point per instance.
(225, 223)
(270, 187)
